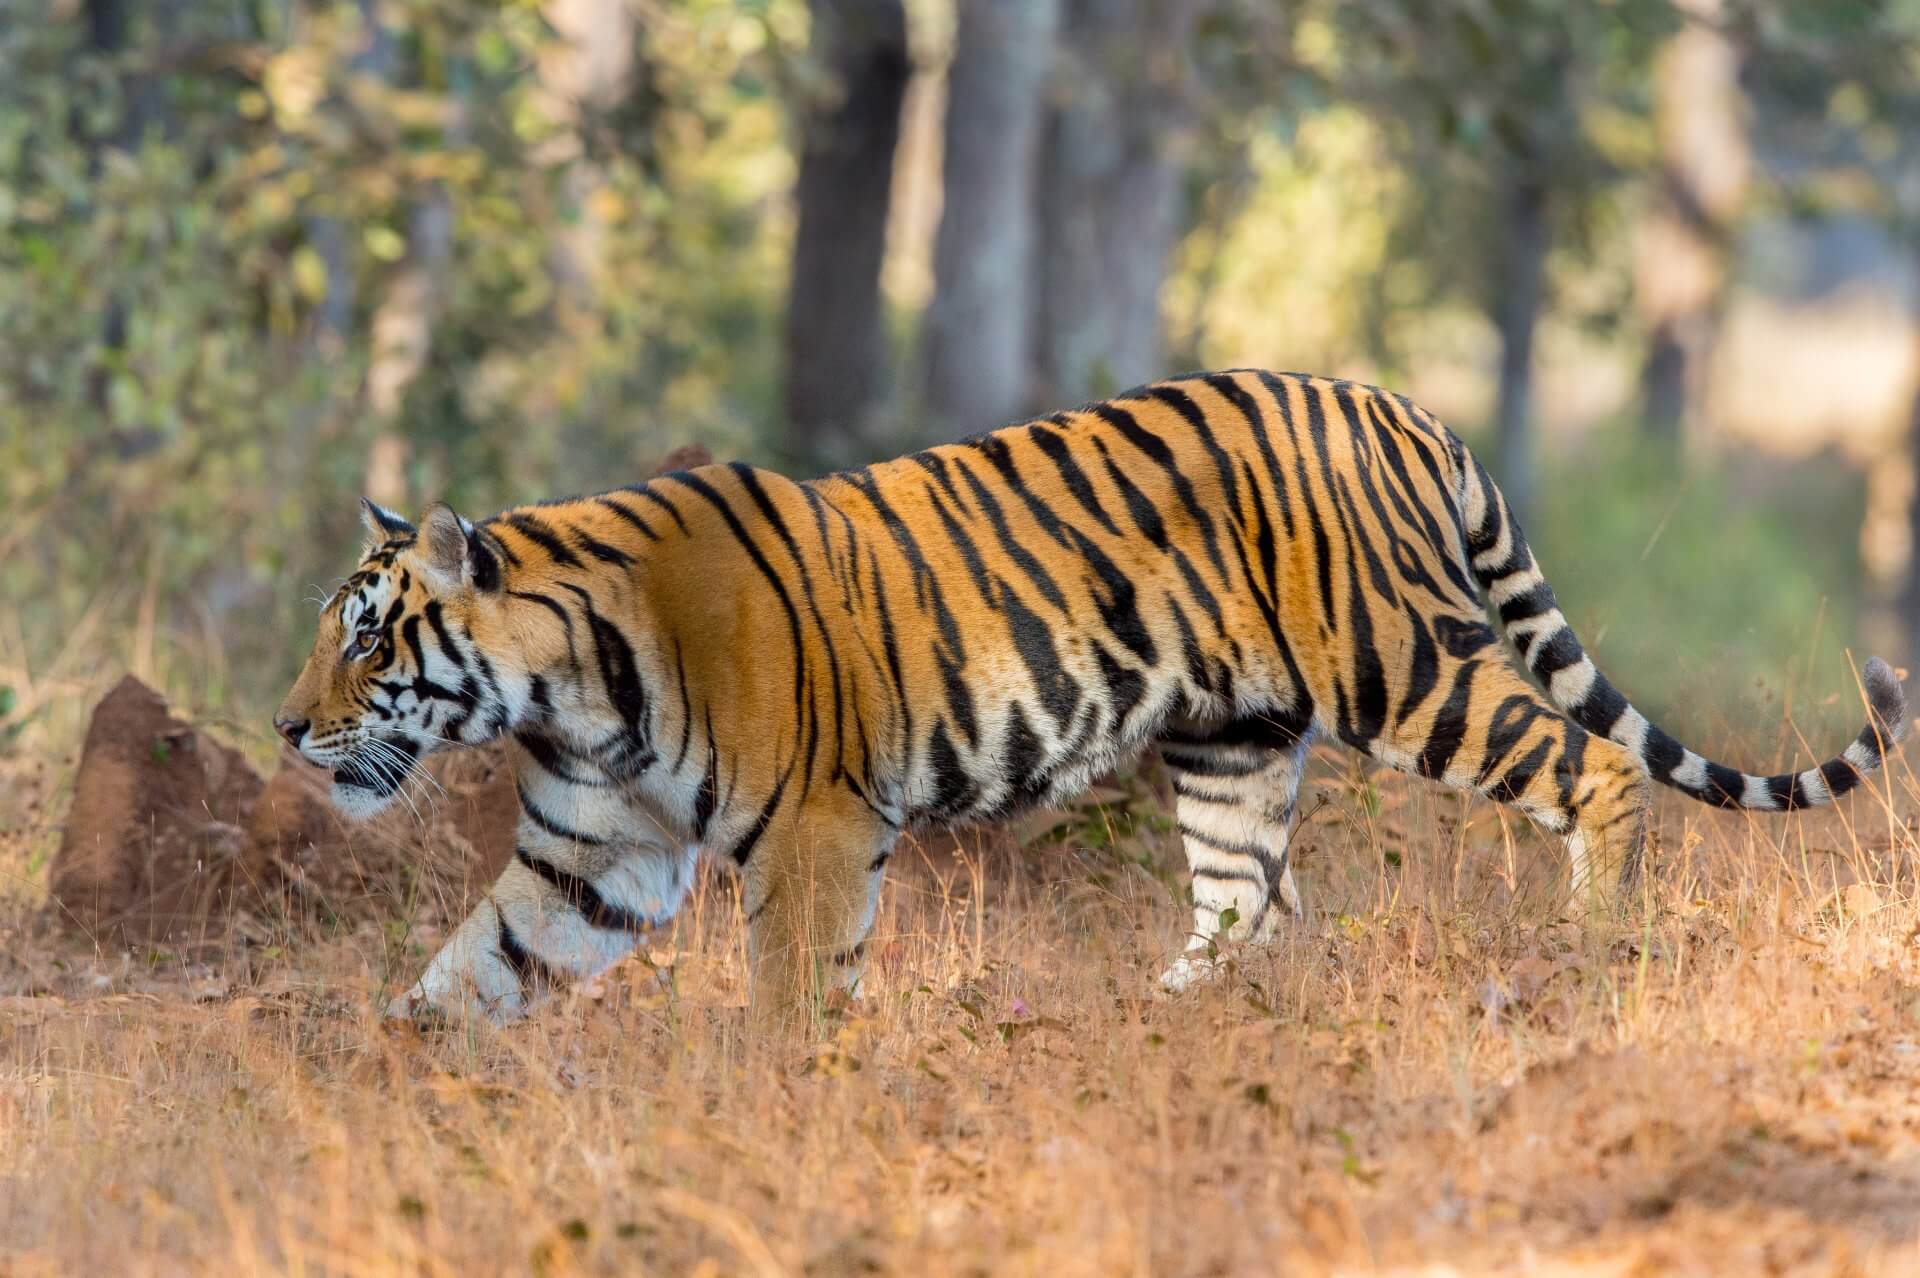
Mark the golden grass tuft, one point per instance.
(1433, 1075)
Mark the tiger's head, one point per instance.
(396, 671)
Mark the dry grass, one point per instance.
(1433, 1076)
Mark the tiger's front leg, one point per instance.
(812, 890)
(591, 873)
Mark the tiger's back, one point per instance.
(1059, 593)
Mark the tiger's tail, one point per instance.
(1518, 593)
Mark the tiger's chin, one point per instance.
(358, 802)
(358, 796)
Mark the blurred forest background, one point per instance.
(1657, 261)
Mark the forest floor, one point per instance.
(1433, 1074)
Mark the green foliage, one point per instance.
(1477, 96)
(1838, 84)
(203, 233)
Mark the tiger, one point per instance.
(788, 675)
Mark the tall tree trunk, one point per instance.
(1680, 249)
(333, 318)
(584, 74)
(836, 340)
(402, 330)
(976, 329)
(1109, 195)
(108, 34)
(1519, 289)
(1664, 375)
(106, 25)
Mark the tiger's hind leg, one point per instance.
(1488, 730)
(1236, 786)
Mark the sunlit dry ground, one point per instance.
(1433, 1076)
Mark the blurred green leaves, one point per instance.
(199, 232)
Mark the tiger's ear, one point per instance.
(446, 545)
(382, 525)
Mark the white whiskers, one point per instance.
(395, 767)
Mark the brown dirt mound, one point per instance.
(157, 835)
(171, 833)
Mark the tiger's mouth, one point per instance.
(372, 774)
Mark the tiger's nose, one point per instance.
(292, 730)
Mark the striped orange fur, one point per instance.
(790, 674)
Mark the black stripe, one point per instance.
(444, 636)
(646, 493)
(550, 604)
(744, 849)
(1061, 455)
(1125, 686)
(1205, 766)
(1156, 450)
(953, 789)
(583, 896)
(1059, 692)
(631, 517)
(1840, 775)
(1182, 403)
(553, 827)
(552, 758)
(709, 789)
(1510, 787)
(1727, 787)
(1240, 397)
(1024, 559)
(1449, 729)
(713, 498)
(1229, 846)
(528, 968)
(536, 531)
(620, 679)
(1505, 726)
(599, 549)
(1317, 430)
(1403, 489)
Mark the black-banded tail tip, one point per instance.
(1886, 697)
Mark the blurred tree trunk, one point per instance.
(402, 330)
(1519, 289)
(584, 74)
(333, 319)
(106, 25)
(1108, 195)
(1680, 247)
(836, 339)
(402, 341)
(976, 335)
(107, 35)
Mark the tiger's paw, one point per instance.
(413, 1008)
(459, 1003)
(1190, 970)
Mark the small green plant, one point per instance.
(10, 727)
